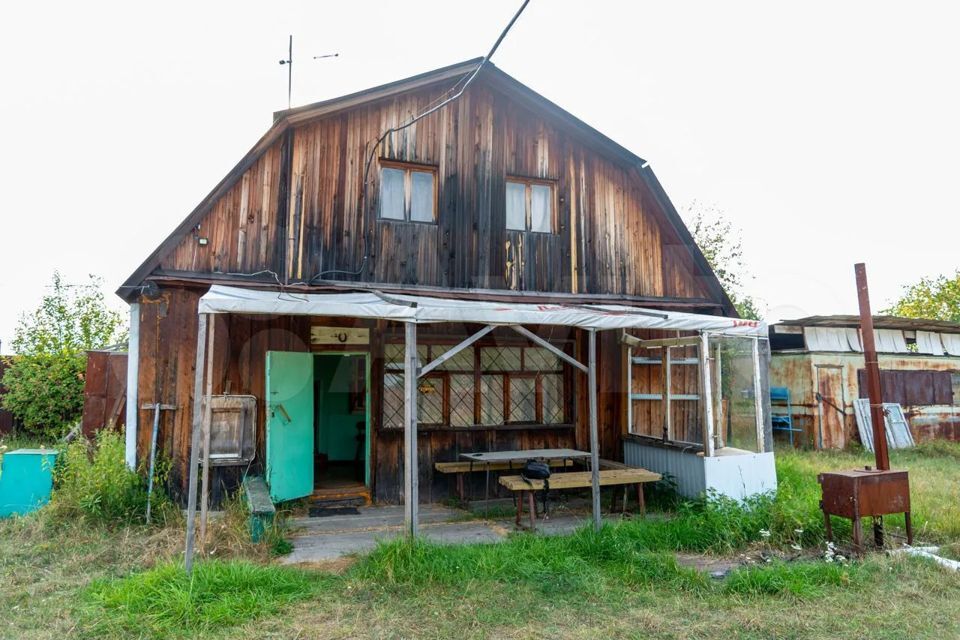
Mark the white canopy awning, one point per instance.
(421, 309)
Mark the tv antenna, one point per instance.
(289, 63)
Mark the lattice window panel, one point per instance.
(461, 400)
(539, 359)
(392, 400)
(553, 405)
(461, 361)
(430, 400)
(523, 399)
(491, 399)
(500, 358)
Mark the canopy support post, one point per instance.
(207, 420)
(195, 442)
(706, 398)
(758, 396)
(410, 480)
(594, 436)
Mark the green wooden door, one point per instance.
(289, 424)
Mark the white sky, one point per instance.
(828, 132)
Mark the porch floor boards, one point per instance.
(332, 537)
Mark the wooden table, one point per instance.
(520, 456)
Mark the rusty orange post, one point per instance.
(872, 367)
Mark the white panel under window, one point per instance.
(541, 218)
(391, 193)
(422, 195)
(516, 206)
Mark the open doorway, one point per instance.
(341, 424)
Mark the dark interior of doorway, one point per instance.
(340, 427)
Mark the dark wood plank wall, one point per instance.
(168, 327)
(296, 209)
(168, 330)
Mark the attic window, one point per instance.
(530, 205)
(408, 193)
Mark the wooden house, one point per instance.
(500, 197)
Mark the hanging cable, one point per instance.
(366, 171)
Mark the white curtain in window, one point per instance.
(951, 343)
(929, 342)
(826, 339)
(421, 198)
(391, 194)
(516, 206)
(890, 341)
(540, 218)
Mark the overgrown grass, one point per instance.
(624, 582)
(934, 486)
(92, 482)
(165, 602)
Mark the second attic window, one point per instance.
(408, 193)
(529, 206)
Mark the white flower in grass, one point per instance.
(765, 533)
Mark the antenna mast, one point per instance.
(289, 63)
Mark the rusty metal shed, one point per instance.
(820, 360)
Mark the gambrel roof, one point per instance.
(290, 118)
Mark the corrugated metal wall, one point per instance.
(685, 468)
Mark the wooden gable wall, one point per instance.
(295, 210)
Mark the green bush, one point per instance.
(45, 380)
(94, 483)
(45, 392)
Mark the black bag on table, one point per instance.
(538, 470)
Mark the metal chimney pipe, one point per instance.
(872, 367)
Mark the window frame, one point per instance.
(441, 378)
(528, 203)
(409, 168)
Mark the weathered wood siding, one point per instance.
(168, 326)
(296, 210)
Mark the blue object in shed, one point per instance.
(26, 480)
(780, 401)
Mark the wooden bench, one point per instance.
(261, 506)
(466, 466)
(578, 480)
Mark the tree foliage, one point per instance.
(931, 298)
(721, 245)
(45, 379)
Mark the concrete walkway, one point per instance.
(334, 536)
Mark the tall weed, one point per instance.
(92, 482)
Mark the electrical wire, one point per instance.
(430, 110)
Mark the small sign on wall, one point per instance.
(339, 335)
